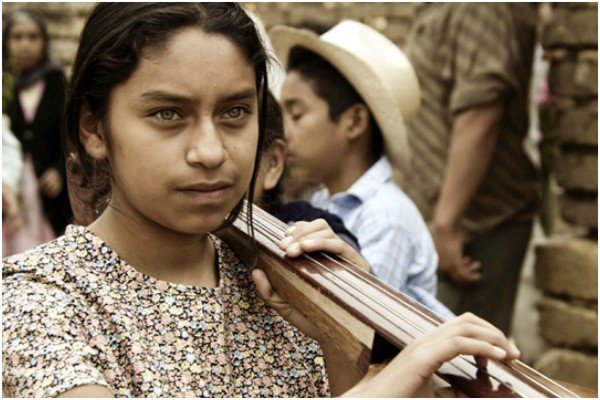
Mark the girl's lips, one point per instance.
(207, 186)
(207, 195)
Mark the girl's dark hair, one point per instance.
(274, 122)
(112, 41)
(274, 129)
(330, 85)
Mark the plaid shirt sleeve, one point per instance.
(389, 249)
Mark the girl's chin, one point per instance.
(200, 226)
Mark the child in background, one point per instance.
(145, 301)
(35, 111)
(270, 182)
(345, 101)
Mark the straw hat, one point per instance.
(374, 66)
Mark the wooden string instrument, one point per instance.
(350, 305)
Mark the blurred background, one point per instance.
(556, 318)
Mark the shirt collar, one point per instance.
(367, 185)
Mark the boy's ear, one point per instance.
(356, 120)
(91, 134)
(275, 164)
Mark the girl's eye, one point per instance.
(236, 112)
(167, 115)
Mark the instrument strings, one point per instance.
(273, 229)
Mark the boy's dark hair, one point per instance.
(112, 41)
(330, 85)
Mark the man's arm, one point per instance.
(473, 141)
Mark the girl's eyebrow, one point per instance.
(162, 96)
(159, 95)
(246, 94)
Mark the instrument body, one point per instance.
(351, 306)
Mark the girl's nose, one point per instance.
(206, 146)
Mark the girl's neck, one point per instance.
(157, 251)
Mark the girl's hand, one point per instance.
(412, 368)
(317, 235)
(285, 309)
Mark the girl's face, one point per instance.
(184, 133)
(25, 44)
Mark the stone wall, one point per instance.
(391, 19)
(66, 20)
(567, 264)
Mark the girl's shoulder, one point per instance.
(66, 258)
(230, 265)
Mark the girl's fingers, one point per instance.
(279, 304)
(307, 232)
(322, 234)
(469, 325)
(303, 228)
(306, 237)
(471, 347)
(335, 246)
(263, 286)
(270, 296)
(491, 336)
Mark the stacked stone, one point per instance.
(391, 19)
(65, 22)
(567, 266)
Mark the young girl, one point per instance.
(145, 301)
(34, 110)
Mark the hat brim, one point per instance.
(361, 76)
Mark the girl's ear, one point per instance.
(356, 120)
(91, 134)
(275, 164)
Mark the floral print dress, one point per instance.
(75, 314)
